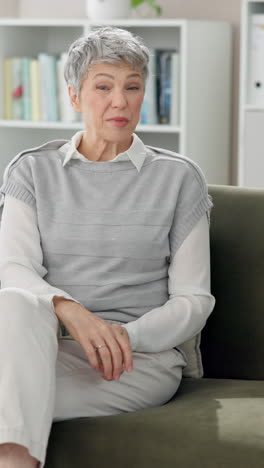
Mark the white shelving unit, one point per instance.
(205, 49)
(251, 115)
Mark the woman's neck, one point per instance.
(102, 150)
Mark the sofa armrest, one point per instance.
(232, 340)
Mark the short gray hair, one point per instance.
(105, 44)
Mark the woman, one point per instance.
(119, 230)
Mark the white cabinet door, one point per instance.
(253, 168)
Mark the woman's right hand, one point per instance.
(91, 331)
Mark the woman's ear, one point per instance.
(74, 99)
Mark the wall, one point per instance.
(225, 10)
(9, 8)
(52, 8)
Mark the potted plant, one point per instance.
(150, 3)
(116, 9)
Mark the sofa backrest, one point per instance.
(232, 341)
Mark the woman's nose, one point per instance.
(119, 99)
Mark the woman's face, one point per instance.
(110, 100)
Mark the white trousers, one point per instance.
(45, 379)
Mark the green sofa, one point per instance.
(216, 421)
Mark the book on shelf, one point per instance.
(7, 88)
(164, 102)
(175, 89)
(256, 59)
(161, 100)
(16, 88)
(26, 89)
(36, 108)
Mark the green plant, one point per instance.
(151, 3)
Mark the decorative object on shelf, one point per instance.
(146, 7)
(119, 9)
(107, 9)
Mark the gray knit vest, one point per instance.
(109, 232)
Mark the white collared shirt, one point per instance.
(188, 274)
(137, 152)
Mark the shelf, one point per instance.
(40, 124)
(254, 108)
(144, 22)
(79, 126)
(42, 22)
(159, 128)
(153, 23)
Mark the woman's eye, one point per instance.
(133, 87)
(102, 87)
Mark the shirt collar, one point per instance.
(136, 153)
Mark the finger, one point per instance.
(92, 356)
(122, 338)
(106, 359)
(101, 367)
(117, 357)
(111, 351)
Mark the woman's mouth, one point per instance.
(118, 121)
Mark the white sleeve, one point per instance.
(190, 301)
(21, 257)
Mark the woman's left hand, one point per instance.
(118, 330)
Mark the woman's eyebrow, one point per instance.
(112, 76)
(133, 74)
(103, 74)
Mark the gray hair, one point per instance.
(105, 44)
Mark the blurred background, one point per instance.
(224, 10)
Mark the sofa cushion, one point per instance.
(209, 422)
(192, 353)
(232, 340)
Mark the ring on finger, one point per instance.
(99, 346)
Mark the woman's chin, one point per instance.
(118, 134)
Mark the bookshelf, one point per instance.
(203, 132)
(251, 114)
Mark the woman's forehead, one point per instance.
(124, 68)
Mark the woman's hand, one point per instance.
(91, 331)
